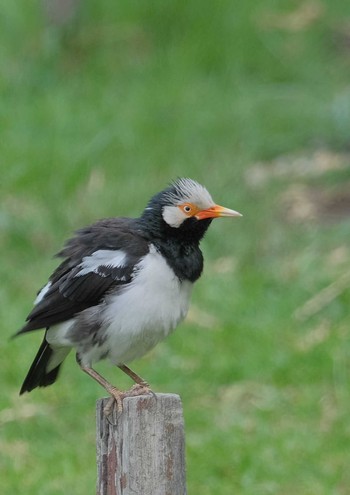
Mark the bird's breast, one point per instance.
(145, 311)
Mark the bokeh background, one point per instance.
(102, 104)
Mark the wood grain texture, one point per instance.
(141, 451)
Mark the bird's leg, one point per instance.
(117, 395)
(141, 387)
(137, 379)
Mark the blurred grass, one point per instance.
(98, 114)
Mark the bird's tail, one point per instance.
(45, 367)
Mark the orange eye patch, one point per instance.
(189, 209)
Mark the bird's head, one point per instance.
(185, 209)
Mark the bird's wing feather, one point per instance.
(81, 281)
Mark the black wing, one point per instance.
(84, 278)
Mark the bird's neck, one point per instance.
(179, 246)
(186, 260)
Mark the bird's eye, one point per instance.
(187, 209)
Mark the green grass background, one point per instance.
(101, 112)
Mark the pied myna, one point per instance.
(123, 286)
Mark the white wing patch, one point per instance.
(106, 257)
(42, 293)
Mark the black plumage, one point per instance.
(69, 294)
(37, 375)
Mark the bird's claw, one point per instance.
(118, 396)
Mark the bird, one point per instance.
(123, 285)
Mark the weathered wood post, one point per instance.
(141, 451)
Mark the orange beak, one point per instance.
(217, 211)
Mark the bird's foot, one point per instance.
(140, 389)
(118, 396)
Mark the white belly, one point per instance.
(143, 313)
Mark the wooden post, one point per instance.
(141, 451)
